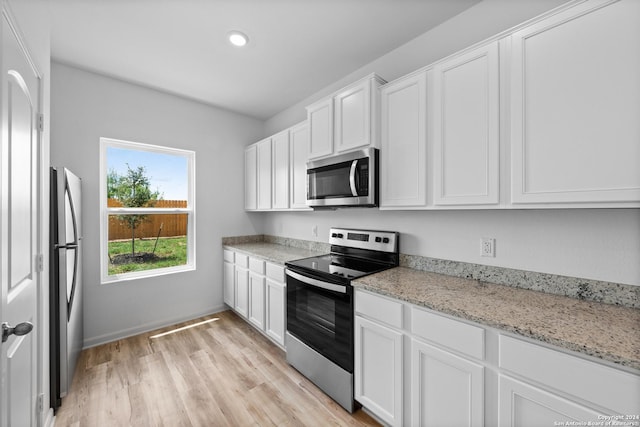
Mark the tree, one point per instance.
(132, 191)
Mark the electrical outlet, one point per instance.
(487, 247)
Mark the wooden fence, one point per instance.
(172, 224)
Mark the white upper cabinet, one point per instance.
(356, 112)
(320, 118)
(264, 174)
(575, 104)
(346, 120)
(251, 177)
(280, 165)
(299, 149)
(403, 158)
(276, 171)
(466, 128)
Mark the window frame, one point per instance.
(106, 211)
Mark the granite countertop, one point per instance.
(273, 252)
(602, 330)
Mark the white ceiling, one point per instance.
(296, 47)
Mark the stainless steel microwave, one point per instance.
(349, 179)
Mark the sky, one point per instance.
(167, 173)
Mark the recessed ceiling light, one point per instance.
(238, 38)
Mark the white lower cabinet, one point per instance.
(378, 370)
(275, 325)
(446, 390)
(417, 367)
(256, 290)
(241, 283)
(541, 385)
(523, 405)
(276, 302)
(242, 292)
(228, 278)
(256, 299)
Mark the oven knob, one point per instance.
(340, 235)
(378, 239)
(334, 235)
(385, 240)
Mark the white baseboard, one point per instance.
(140, 329)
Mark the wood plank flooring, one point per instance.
(219, 373)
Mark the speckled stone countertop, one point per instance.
(272, 252)
(605, 331)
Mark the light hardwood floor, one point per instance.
(220, 373)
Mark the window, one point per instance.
(147, 205)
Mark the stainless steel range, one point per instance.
(319, 338)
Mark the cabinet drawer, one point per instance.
(229, 256)
(275, 272)
(608, 387)
(256, 265)
(242, 260)
(379, 308)
(459, 336)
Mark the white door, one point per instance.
(403, 171)
(523, 405)
(378, 370)
(466, 126)
(446, 390)
(18, 219)
(280, 166)
(251, 178)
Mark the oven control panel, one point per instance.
(386, 241)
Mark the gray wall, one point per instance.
(588, 243)
(86, 106)
(484, 20)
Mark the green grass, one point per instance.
(171, 251)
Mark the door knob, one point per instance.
(20, 329)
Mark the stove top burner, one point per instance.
(338, 265)
(354, 253)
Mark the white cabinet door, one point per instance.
(299, 147)
(264, 174)
(466, 128)
(280, 146)
(251, 177)
(256, 299)
(403, 157)
(320, 118)
(378, 370)
(446, 390)
(353, 117)
(229, 283)
(276, 310)
(574, 106)
(522, 405)
(242, 291)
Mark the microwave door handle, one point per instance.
(352, 178)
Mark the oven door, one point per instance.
(320, 314)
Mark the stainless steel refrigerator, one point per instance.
(65, 281)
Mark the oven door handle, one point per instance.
(317, 283)
(352, 178)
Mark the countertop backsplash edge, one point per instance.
(573, 287)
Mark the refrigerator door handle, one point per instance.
(67, 246)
